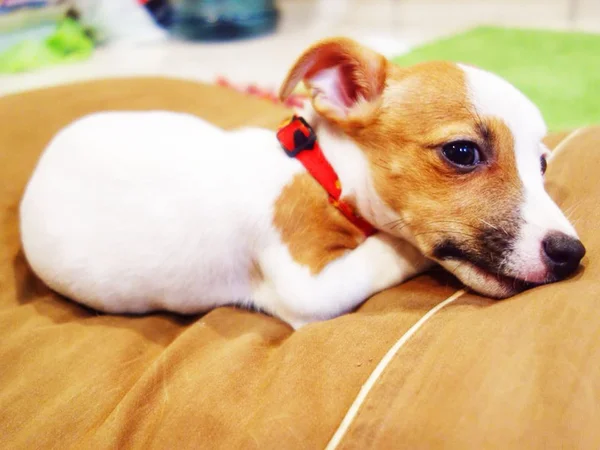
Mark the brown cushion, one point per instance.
(520, 373)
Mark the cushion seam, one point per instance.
(375, 375)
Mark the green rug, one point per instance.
(559, 71)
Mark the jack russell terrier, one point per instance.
(388, 171)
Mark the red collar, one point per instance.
(300, 141)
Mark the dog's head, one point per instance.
(455, 154)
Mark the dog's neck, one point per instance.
(354, 171)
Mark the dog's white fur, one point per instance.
(494, 96)
(138, 211)
(130, 212)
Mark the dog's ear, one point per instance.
(344, 78)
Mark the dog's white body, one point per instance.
(166, 211)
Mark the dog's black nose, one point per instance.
(562, 254)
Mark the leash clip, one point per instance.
(296, 136)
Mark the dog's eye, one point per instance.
(544, 164)
(464, 154)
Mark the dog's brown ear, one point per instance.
(344, 78)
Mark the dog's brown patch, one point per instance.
(425, 107)
(314, 231)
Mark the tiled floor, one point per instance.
(391, 26)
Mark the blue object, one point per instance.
(161, 11)
(222, 20)
(9, 6)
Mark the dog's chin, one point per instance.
(484, 282)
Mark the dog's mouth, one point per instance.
(492, 284)
(479, 274)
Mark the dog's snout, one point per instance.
(562, 254)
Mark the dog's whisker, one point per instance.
(381, 166)
(470, 236)
(394, 223)
(456, 222)
(488, 224)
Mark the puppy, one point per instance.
(389, 170)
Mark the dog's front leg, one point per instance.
(300, 296)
